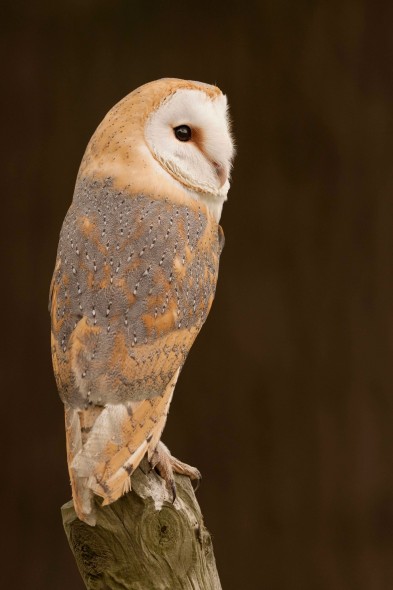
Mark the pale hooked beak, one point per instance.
(222, 172)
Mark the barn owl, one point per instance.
(135, 278)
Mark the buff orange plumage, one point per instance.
(134, 281)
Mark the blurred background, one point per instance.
(285, 402)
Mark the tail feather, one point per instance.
(82, 495)
(121, 480)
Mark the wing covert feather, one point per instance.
(134, 281)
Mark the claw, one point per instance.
(174, 491)
(197, 483)
(165, 465)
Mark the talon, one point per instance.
(174, 491)
(165, 465)
(197, 483)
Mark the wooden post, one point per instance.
(144, 541)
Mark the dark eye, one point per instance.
(183, 133)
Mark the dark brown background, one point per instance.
(285, 403)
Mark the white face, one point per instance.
(189, 135)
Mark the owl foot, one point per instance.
(165, 464)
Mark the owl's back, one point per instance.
(134, 281)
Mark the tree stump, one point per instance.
(143, 541)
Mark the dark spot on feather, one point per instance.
(129, 468)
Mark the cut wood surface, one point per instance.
(144, 541)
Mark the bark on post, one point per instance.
(144, 542)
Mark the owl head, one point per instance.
(168, 139)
